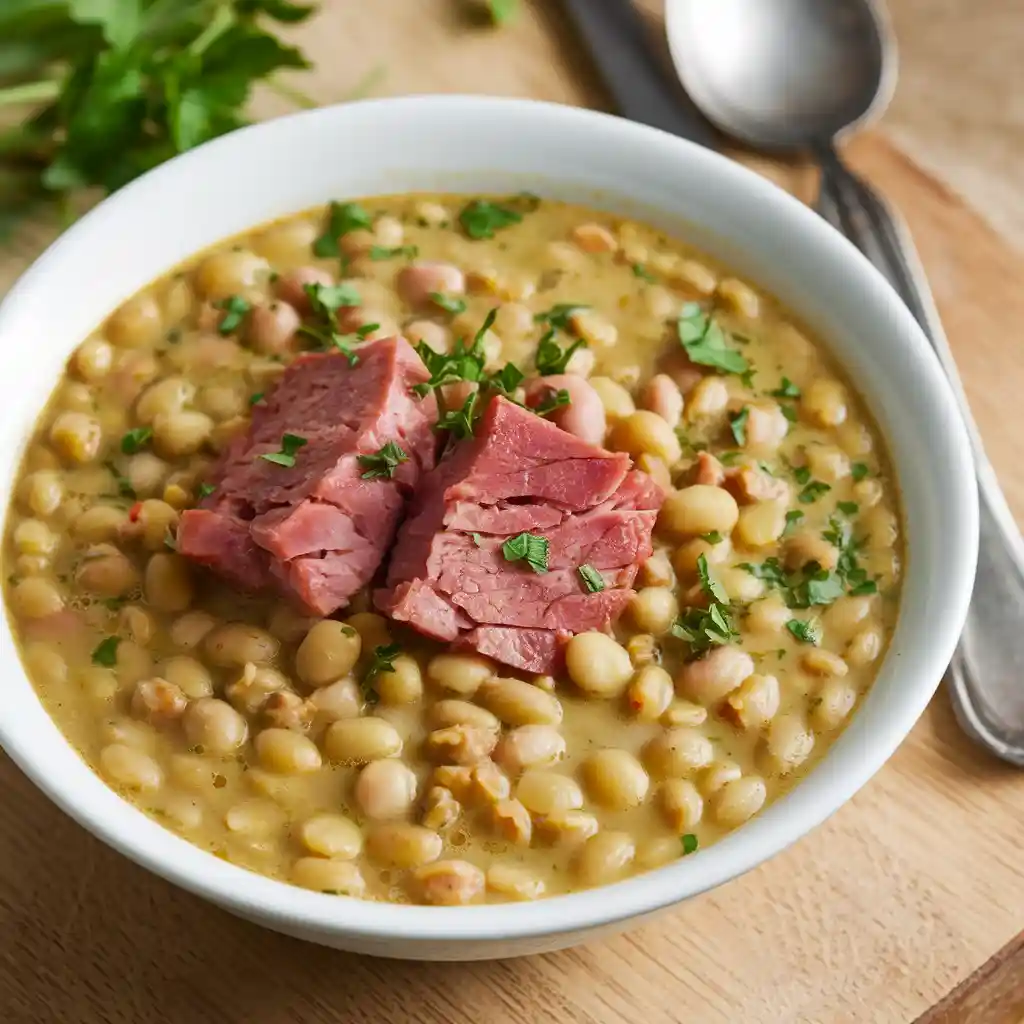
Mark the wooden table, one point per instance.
(873, 918)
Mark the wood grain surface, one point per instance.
(874, 917)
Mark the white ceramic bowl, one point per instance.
(463, 144)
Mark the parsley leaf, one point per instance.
(529, 548)
(704, 628)
(560, 315)
(235, 308)
(710, 585)
(858, 471)
(449, 303)
(136, 439)
(592, 579)
(801, 474)
(382, 660)
(105, 652)
(714, 537)
(639, 270)
(460, 422)
(383, 462)
(738, 425)
(849, 508)
(382, 252)
(550, 359)
(290, 444)
(787, 389)
(770, 571)
(705, 342)
(326, 299)
(502, 11)
(793, 516)
(123, 484)
(813, 491)
(554, 400)
(341, 219)
(480, 218)
(507, 379)
(205, 490)
(689, 841)
(256, 396)
(462, 364)
(807, 631)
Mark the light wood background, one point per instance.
(873, 918)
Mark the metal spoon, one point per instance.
(796, 75)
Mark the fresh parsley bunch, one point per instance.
(114, 87)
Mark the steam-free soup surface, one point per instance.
(351, 756)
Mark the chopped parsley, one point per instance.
(848, 568)
(481, 218)
(554, 400)
(462, 364)
(122, 483)
(789, 412)
(326, 299)
(382, 660)
(813, 491)
(793, 516)
(559, 316)
(714, 537)
(769, 571)
(136, 439)
(712, 587)
(235, 308)
(205, 490)
(105, 652)
(849, 508)
(787, 389)
(801, 474)
(550, 358)
(704, 628)
(383, 462)
(502, 11)
(738, 425)
(639, 270)
(477, 539)
(290, 445)
(449, 303)
(592, 579)
(528, 548)
(858, 471)
(341, 219)
(706, 342)
(256, 396)
(507, 379)
(460, 422)
(383, 252)
(689, 841)
(807, 631)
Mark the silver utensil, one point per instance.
(797, 75)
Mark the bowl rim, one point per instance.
(815, 798)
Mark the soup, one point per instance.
(652, 632)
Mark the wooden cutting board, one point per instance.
(875, 917)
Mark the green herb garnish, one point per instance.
(235, 308)
(789, 412)
(502, 11)
(529, 548)
(714, 537)
(290, 444)
(848, 508)
(105, 652)
(550, 358)
(801, 474)
(813, 491)
(481, 218)
(449, 303)
(738, 425)
(507, 379)
(205, 490)
(704, 628)
(382, 660)
(560, 315)
(326, 299)
(706, 342)
(460, 422)
(383, 462)
(639, 270)
(858, 471)
(462, 364)
(793, 516)
(554, 400)
(592, 579)
(787, 389)
(689, 842)
(122, 483)
(136, 439)
(807, 631)
(256, 396)
(710, 585)
(382, 252)
(341, 219)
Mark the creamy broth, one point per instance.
(758, 624)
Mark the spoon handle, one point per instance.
(987, 672)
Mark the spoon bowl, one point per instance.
(783, 74)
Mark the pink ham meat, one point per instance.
(317, 532)
(448, 576)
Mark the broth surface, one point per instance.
(777, 562)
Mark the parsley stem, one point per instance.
(290, 93)
(30, 92)
(222, 20)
